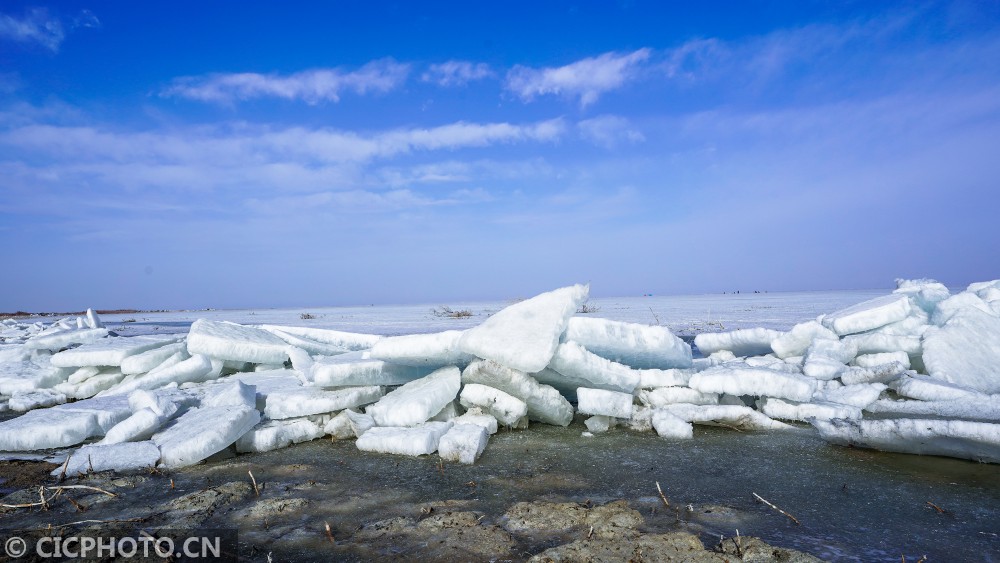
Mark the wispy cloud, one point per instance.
(609, 131)
(456, 73)
(586, 79)
(311, 86)
(36, 27)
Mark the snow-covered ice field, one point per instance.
(915, 370)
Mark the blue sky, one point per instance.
(192, 154)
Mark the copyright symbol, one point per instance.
(15, 547)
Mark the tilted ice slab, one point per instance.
(507, 409)
(418, 400)
(109, 410)
(573, 360)
(669, 395)
(966, 351)
(108, 351)
(230, 341)
(51, 428)
(742, 417)
(151, 359)
(979, 441)
(351, 341)
(91, 386)
(62, 339)
(276, 434)
(545, 403)
(201, 432)
(926, 388)
(635, 345)
(309, 345)
(197, 369)
(796, 341)
(874, 360)
(140, 426)
(869, 315)
(604, 403)
(792, 410)
(827, 359)
(743, 342)
(986, 409)
(524, 336)
(422, 350)
(303, 401)
(464, 443)
(358, 368)
(123, 457)
(740, 380)
(418, 440)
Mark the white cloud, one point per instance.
(456, 73)
(586, 79)
(311, 86)
(609, 131)
(37, 27)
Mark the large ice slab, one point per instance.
(603, 402)
(303, 401)
(507, 409)
(22, 401)
(230, 341)
(418, 400)
(925, 293)
(882, 373)
(62, 339)
(308, 344)
(735, 379)
(742, 342)
(418, 440)
(124, 457)
(358, 368)
(792, 410)
(108, 351)
(351, 341)
(859, 396)
(635, 345)
(109, 410)
(545, 403)
(140, 426)
(433, 350)
(201, 432)
(464, 443)
(869, 315)
(924, 388)
(276, 434)
(983, 409)
(879, 342)
(525, 335)
(150, 359)
(197, 369)
(966, 351)
(573, 360)
(742, 417)
(979, 441)
(51, 428)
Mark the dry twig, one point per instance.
(761, 499)
(329, 534)
(662, 496)
(44, 502)
(256, 489)
(936, 507)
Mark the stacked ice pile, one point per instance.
(915, 371)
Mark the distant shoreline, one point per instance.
(24, 314)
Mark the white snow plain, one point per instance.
(915, 370)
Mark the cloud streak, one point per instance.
(310, 86)
(585, 80)
(36, 27)
(456, 73)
